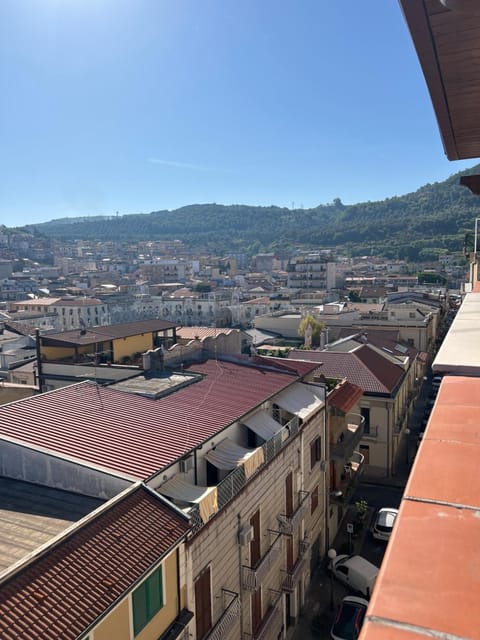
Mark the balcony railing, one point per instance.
(349, 438)
(303, 546)
(272, 621)
(293, 576)
(252, 577)
(232, 484)
(224, 624)
(288, 523)
(350, 478)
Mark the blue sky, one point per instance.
(141, 105)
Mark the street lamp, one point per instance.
(332, 554)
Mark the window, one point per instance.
(147, 600)
(314, 500)
(315, 451)
(365, 412)
(203, 603)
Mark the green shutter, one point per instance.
(147, 600)
(140, 617)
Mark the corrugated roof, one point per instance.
(63, 592)
(429, 581)
(137, 436)
(364, 367)
(109, 332)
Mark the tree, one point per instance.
(310, 329)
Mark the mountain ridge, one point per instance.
(415, 226)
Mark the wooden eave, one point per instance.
(448, 47)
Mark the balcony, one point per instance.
(293, 577)
(252, 577)
(349, 478)
(272, 622)
(225, 623)
(230, 486)
(350, 437)
(288, 523)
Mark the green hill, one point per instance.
(415, 226)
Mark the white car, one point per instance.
(383, 523)
(349, 619)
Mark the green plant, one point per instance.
(362, 507)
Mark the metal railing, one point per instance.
(293, 576)
(288, 523)
(230, 486)
(224, 624)
(252, 577)
(350, 437)
(273, 619)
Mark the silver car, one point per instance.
(383, 523)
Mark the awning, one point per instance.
(300, 400)
(206, 497)
(228, 455)
(263, 425)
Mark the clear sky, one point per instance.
(140, 105)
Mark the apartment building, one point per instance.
(389, 373)
(314, 271)
(61, 314)
(241, 449)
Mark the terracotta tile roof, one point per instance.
(60, 594)
(344, 396)
(108, 332)
(190, 333)
(137, 436)
(364, 367)
(437, 526)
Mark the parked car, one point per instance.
(436, 381)
(383, 524)
(349, 618)
(356, 572)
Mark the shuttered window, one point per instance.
(147, 600)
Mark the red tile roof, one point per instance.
(429, 579)
(364, 367)
(63, 592)
(344, 396)
(191, 333)
(137, 436)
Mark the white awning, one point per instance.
(228, 454)
(263, 425)
(206, 497)
(300, 400)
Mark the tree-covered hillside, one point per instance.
(415, 226)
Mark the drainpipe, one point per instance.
(39, 360)
(389, 467)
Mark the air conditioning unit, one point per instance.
(245, 535)
(186, 464)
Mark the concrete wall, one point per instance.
(22, 463)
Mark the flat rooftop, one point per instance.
(459, 353)
(31, 515)
(429, 581)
